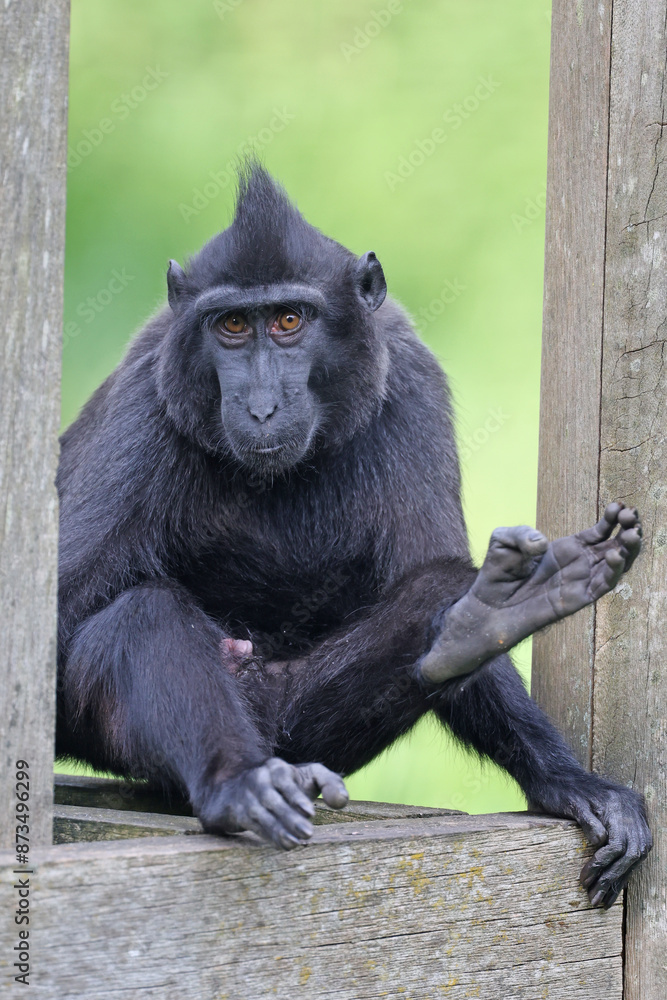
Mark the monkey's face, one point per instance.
(273, 350)
(269, 358)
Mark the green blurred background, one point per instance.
(341, 100)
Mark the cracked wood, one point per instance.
(448, 906)
(33, 132)
(604, 412)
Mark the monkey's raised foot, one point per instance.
(274, 800)
(527, 583)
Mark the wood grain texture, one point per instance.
(630, 705)
(616, 362)
(115, 793)
(72, 824)
(567, 495)
(33, 98)
(90, 814)
(453, 907)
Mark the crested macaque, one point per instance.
(265, 576)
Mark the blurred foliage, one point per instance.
(165, 96)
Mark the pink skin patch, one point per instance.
(237, 652)
(238, 649)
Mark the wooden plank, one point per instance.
(567, 495)
(630, 707)
(115, 793)
(72, 824)
(33, 98)
(620, 357)
(446, 906)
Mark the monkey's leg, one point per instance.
(526, 583)
(491, 712)
(358, 691)
(146, 695)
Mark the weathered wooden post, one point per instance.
(34, 38)
(602, 674)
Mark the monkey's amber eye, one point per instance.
(235, 323)
(288, 321)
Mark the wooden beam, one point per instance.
(114, 793)
(604, 412)
(567, 492)
(630, 704)
(453, 906)
(73, 824)
(91, 809)
(33, 124)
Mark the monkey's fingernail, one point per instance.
(597, 898)
(305, 829)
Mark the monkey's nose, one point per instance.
(262, 409)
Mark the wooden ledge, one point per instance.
(448, 906)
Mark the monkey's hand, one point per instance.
(613, 820)
(526, 583)
(274, 800)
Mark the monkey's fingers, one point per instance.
(267, 826)
(592, 828)
(605, 526)
(285, 779)
(289, 817)
(603, 889)
(628, 841)
(316, 778)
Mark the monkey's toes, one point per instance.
(512, 554)
(630, 539)
(614, 559)
(630, 543)
(523, 539)
(611, 512)
(615, 514)
(628, 517)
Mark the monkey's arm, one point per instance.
(526, 583)
(491, 712)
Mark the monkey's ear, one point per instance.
(369, 276)
(176, 282)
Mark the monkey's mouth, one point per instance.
(275, 453)
(274, 458)
(269, 450)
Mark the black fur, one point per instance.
(336, 560)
